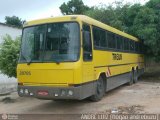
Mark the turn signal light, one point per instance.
(20, 83)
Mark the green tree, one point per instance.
(145, 28)
(15, 21)
(9, 53)
(73, 7)
(155, 6)
(128, 15)
(110, 15)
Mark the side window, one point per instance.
(126, 44)
(96, 36)
(99, 37)
(111, 40)
(103, 42)
(87, 44)
(107, 37)
(120, 42)
(131, 45)
(136, 47)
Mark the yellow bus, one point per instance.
(76, 57)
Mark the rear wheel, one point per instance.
(100, 90)
(135, 76)
(131, 78)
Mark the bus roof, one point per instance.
(83, 18)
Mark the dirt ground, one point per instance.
(142, 97)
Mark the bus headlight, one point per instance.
(70, 92)
(66, 92)
(26, 91)
(63, 93)
(21, 91)
(31, 94)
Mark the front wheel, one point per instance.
(100, 90)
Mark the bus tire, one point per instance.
(135, 76)
(131, 78)
(100, 90)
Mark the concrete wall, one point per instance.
(12, 31)
(8, 84)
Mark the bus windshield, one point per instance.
(55, 42)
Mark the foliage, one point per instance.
(145, 28)
(9, 53)
(73, 7)
(15, 21)
(142, 21)
(106, 15)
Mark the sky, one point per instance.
(37, 9)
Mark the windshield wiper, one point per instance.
(57, 61)
(29, 62)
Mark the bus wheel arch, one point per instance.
(100, 88)
(131, 76)
(136, 75)
(103, 75)
(137, 69)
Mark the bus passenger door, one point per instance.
(88, 71)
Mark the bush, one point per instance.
(9, 54)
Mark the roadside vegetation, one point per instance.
(9, 53)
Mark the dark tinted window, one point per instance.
(119, 40)
(99, 36)
(111, 40)
(87, 44)
(96, 36)
(105, 39)
(126, 44)
(131, 45)
(136, 46)
(103, 42)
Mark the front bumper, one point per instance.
(80, 92)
